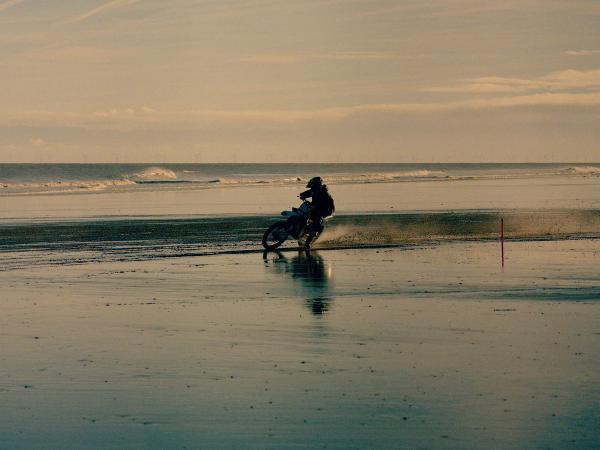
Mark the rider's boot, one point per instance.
(308, 241)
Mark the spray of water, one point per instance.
(415, 228)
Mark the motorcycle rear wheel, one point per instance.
(275, 235)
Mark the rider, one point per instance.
(321, 206)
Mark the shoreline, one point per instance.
(508, 194)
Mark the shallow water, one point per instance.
(76, 242)
(435, 347)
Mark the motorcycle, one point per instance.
(297, 224)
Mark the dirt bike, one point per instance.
(298, 225)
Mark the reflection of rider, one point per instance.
(313, 273)
(321, 206)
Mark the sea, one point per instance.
(31, 179)
(52, 214)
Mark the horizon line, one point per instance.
(308, 163)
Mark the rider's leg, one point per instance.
(309, 239)
(315, 227)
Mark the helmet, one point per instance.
(314, 182)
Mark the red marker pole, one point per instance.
(502, 238)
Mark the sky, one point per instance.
(299, 81)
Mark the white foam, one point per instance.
(422, 174)
(155, 173)
(582, 170)
(65, 186)
(239, 181)
(386, 177)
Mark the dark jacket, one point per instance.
(322, 202)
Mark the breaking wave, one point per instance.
(155, 173)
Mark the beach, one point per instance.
(139, 310)
(432, 346)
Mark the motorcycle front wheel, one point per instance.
(275, 235)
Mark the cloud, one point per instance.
(564, 80)
(283, 58)
(114, 112)
(114, 4)
(37, 142)
(467, 8)
(79, 54)
(581, 52)
(9, 4)
(476, 87)
(138, 118)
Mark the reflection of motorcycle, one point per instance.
(312, 274)
(298, 225)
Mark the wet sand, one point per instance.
(429, 347)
